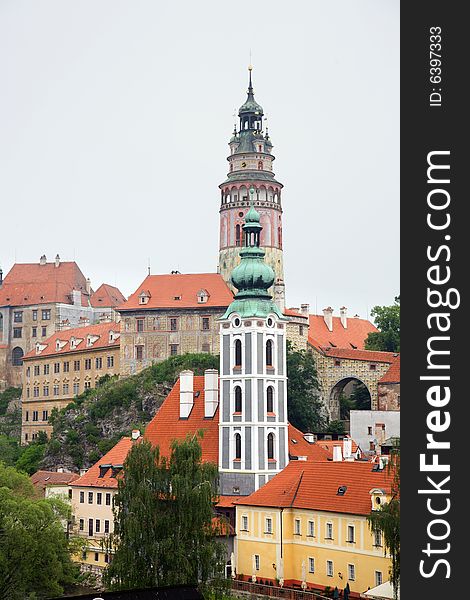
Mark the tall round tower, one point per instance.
(251, 166)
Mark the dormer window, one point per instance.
(72, 343)
(378, 498)
(91, 339)
(202, 296)
(144, 297)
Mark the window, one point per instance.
(98, 363)
(76, 389)
(99, 497)
(269, 525)
(351, 572)
(378, 539)
(173, 324)
(311, 529)
(27, 392)
(270, 399)
(66, 367)
(18, 316)
(35, 315)
(238, 353)
(35, 415)
(76, 365)
(301, 329)
(34, 332)
(97, 556)
(45, 390)
(46, 314)
(206, 323)
(260, 165)
(46, 369)
(84, 555)
(108, 499)
(97, 526)
(90, 497)
(56, 367)
(45, 415)
(369, 431)
(297, 527)
(82, 497)
(87, 364)
(350, 537)
(237, 235)
(244, 523)
(238, 399)
(36, 391)
(270, 446)
(269, 353)
(372, 367)
(337, 362)
(65, 388)
(25, 437)
(238, 446)
(36, 369)
(110, 362)
(140, 325)
(329, 531)
(87, 385)
(311, 565)
(139, 352)
(106, 526)
(329, 568)
(378, 578)
(173, 349)
(257, 562)
(106, 558)
(43, 331)
(17, 332)
(82, 524)
(26, 416)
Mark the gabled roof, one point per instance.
(353, 336)
(100, 334)
(35, 283)
(393, 374)
(365, 355)
(116, 456)
(314, 485)
(180, 291)
(299, 446)
(42, 478)
(107, 296)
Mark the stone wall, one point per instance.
(389, 396)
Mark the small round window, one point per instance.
(240, 214)
(237, 322)
(270, 322)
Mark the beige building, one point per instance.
(63, 366)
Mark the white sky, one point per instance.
(115, 117)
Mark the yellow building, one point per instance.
(62, 367)
(308, 527)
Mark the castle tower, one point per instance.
(253, 436)
(251, 165)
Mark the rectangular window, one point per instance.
(244, 523)
(173, 349)
(139, 352)
(65, 389)
(108, 499)
(378, 578)
(205, 323)
(140, 325)
(84, 555)
(82, 524)
(87, 385)
(87, 364)
(36, 369)
(46, 369)
(45, 415)
(297, 527)
(27, 392)
(350, 537)
(110, 362)
(106, 526)
(311, 529)
(369, 431)
(378, 539)
(45, 390)
(329, 531)
(18, 316)
(66, 367)
(56, 390)
(34, 332)
(35, 315)
(351, 572)
(97, 526)
(311, 565)
(17, 332)
(76, 365)
(43, 331)
(301, 332)
(76, 389)
(372, 367)
(56, 367)
(28, 371)
(99, 497)
(90, 497)
(269, 525)
(173, 324)
(35, 415)
(97, 556)
(106, 558)
(26, 415)
(257, 562)
(329, 568)
(46, 314)
(98, 363)
(36, 392)
(82, 497)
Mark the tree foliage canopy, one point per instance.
(164, 528)
(387, 319)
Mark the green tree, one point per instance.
(303, 403)
(387, 319)
(9, 450)
(35, 554)
(164, 528)
(386, 520)
(7, 396)
(31, 457)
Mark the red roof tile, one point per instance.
(42, 478)
(293, 313)
(314, 485)
(102, 330)
(298, 446)
(393, 374)
(116, 456)
(354, 335)
(33, 283)
(227, 501)
(164, 289)
(366, 355)
(107, 296)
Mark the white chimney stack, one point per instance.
(76, 297)
(305, 309)
(43, 260)
(186, 393)
(211, 392)
(88, 286)
(328, 317)
(57, 260)
(135, 434)
(347, 448)
(337, 455)
(343, 314)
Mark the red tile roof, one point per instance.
(366, 355)
(328, 445)
(393, 374)
(314, 486)
(298, 446)
(164, 289)
(107, 296)
(166, 425)
(116, 456)
(42, 478)
(33, 283)
(102, 330)
(354, 335)
(227, 501)
(294, 313)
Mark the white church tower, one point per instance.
(253, 436)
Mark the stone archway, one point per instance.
(351, 387)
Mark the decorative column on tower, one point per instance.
(253, 436)
(251, 165)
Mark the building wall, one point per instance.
(157, 337)
(361, 553)
(382, 424)
(81, 377)
(389, 396)
(297, 332)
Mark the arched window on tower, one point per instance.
(17, 357)
(269, 353)
(238, 353)
(270, 446)
(270, 399)
(238, 399)
(238, 446)
(237, 235)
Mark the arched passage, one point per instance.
(349, 393)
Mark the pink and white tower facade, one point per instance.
(251, 166)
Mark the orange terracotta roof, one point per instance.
(314, 485)
(298, 446)
(102, 330)
(393, 374)
(366, 355)
(42, 478)
(107, 296)
(294, 313)
(328, 445)
(163, 290)
(116, 456)
(167, 426)
(227, 501)
(354, 335)
(33, 283)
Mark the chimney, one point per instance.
(57, 260)
(280, 294)
(43, 260)
(337, 456)
(328, 317)
(305, 309)
(309, 437)
(186, 393)
(76, 297)
(347, 449)
(343, 314)
(88, 286)
(211, 392)
(135, 434)
(1, 277)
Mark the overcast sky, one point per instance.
(115, 117)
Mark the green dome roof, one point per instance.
(252, 277)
